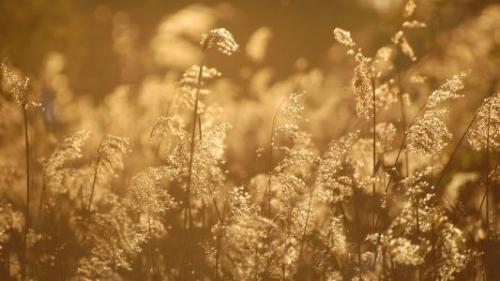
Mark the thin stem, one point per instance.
(42, 202)
(302, 240)
(28, 183)
(80, 194)
(203, 214)
(271, 148)
(487, 163)
(442, 172)
(401, 147)
(484, 195)
(374, 141)
(219, 214)
(256, 271)
(434, 251)
(359, 240)
(150, 244)
(374, 134)
(384, 266)
(217, 256)
(200, 134)
(188, 219)
(400, 150)
(455, 150)
(94, 182)
(219, 239)
(398, 156)
(152, 257)
(357, 226)
(403, 112)
(192, 146)
(407, 153)
(287, 233)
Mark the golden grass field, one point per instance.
(250, 140)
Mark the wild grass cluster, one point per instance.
(386, 168)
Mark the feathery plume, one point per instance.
(400, 40)
(333, 183)
(409, 8)
(221, 39)
(429, 133)
(343, 37)
(447, 92)
(486, 130)
(111, 152)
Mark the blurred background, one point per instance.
(94, 36)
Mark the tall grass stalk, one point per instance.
(41, 201)
(487, 186)
(220, 216)
(303, 237)
(402, 107)
(94, 181)
(455, 150)
(192, 146)
(374, 143)
(389, 182)
(487, 159)
(267, 193)
(407, 153)
(24, 266)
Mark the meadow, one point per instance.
(376, 160)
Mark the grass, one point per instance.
(363, 178)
